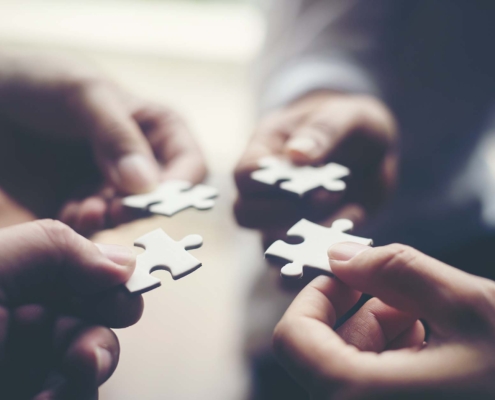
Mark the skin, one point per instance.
(379, 353)
(356, 131)
(59, 295)
(75, 140)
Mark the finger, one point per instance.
(29, 352)
(304, 337)
(268, 140)
(315, 355)
(173, 144)
(69, 213)
(115, 308)
(375, 326)
(317, 137)
(320, 202)
(57, 391)
(52, 388)
(408, 280)
(119, 214)
(90, 359)
(121, 150)
(43, 259)
(91, 215)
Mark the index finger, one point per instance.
(304, 337)
(269, 140)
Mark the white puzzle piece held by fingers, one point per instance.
(162, 252)
(300, 179)
(312, 252)
(173, 196)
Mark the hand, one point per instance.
(379, 353)
(356, 131)
(66, 131)
(59, 295)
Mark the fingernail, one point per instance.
(303, 146)
(345, 251)
(121, 255)
(136, 173)
(103, 364)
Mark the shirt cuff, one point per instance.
(305, 76)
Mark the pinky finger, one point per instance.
(90, 359)
(69, 213)
(91, 215)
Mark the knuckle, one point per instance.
(475, 306)
(53, 228)
(396, 259)
(57, 233)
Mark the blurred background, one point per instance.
(193, 56)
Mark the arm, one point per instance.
(338, 45)
(321, 73)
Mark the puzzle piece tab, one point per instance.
(300, 179)
(162, 252)
(173, 196)
(312, 252)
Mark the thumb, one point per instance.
(406, 279)
(121, 150)
(43, 259)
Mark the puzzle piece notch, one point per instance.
(312, 252)
(173, 196)
(300, 179)
(162, 252)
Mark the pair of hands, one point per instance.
(379, 352)
(72, 143)
(59, 294)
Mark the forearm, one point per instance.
(312, 45)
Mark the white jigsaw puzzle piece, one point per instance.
(300, 179)
(312, 252)
(173, 196)
(162, 252)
